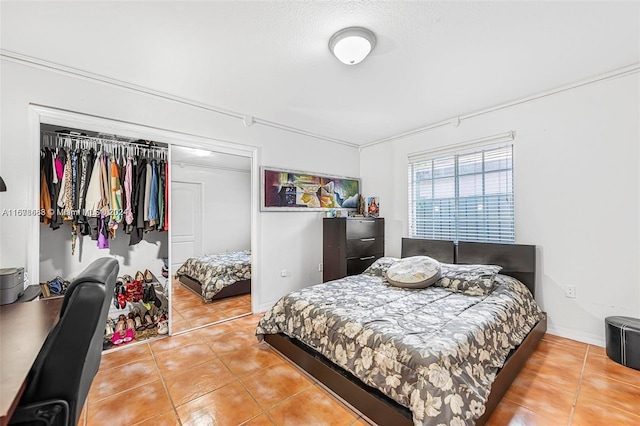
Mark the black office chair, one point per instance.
(59, 381)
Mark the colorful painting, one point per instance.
(292, 190)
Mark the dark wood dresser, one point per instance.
(350, 245)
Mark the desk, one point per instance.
(23, 329)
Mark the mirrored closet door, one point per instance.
(210, 237)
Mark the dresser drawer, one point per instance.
(357, 265)
(365, 246)
(364, 228)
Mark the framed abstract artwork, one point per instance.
(291, 190)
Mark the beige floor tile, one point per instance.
(275, 384)
(184, 357)
(251, 359)
(554, 371)
(611, 392)
(214, 331)
(230, 405)
(191, 383)
(605, 366)
(540, 397)
(125, 355)
(232, 341)
(593, 412)
(114, 380)
(169, 418)
(261, 420)
(130, 407)
(171, 343)
(313, 406)
(508, 413)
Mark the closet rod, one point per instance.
(76, 137)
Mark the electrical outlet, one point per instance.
(320, 267)
(570, 291)
(284, 273)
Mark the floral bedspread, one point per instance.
(217, 271)
(432, 350)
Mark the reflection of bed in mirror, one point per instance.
(390, 352)
(217, 276)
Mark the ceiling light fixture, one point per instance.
(351, 45)
(200, 152)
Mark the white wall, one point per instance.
(291, 241)
(227, 203)
(56, 258)
(577, 194)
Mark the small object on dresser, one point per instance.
(373, 206)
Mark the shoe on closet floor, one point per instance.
(163, 327)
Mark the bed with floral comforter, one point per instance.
(217, 271)
(434, 350)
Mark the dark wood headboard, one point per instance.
(442, 251)
(517, 260)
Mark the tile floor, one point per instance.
(220, 375)
(190, 311)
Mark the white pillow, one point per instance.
(414, 272)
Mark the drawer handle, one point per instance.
(367, 221)
(367, 239)
(367, 258)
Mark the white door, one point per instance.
(186, 222)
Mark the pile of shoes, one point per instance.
(146, 302)
(129, 289)
(140, 324)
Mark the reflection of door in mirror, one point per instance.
(210, 237)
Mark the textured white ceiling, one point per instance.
(433, 60)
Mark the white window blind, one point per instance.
(463, 197)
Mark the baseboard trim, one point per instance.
(580, 336)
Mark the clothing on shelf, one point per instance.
(98, 186)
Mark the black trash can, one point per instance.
(622, 336)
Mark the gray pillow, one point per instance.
(414, 272)
(380, 266)
(473, 280)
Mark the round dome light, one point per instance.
(352, 45)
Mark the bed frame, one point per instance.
(235, 289)
(518, 261)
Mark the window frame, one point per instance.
(505, 231)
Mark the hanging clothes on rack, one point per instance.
(46, 184)
(166, 196)
(153, 196)
(116, 199)
(137, 230)
(98, 185)
(128, 187)
(161, 184)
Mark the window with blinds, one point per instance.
(463, 197)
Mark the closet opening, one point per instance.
(43, 259)
(107, 195)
